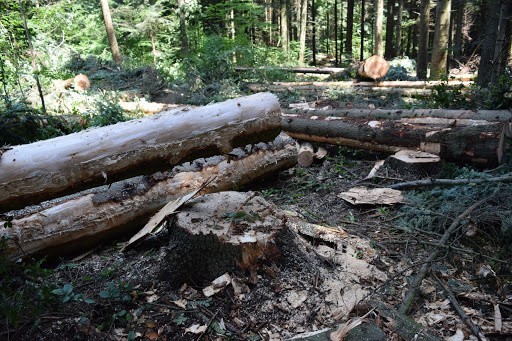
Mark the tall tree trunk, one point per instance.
(336, 59)
(487, 58)
(313, 33)
(111, 35)
(399, 18)
(285, 42)
(361, 52)
(32, 56)
(303, 28)
(377, 31)
(183, 28)
(341, 30)
(440, 43)
(457, 49)
(390, 29)
(501, 48)
(422, 60)
(350, 28)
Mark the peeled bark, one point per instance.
(460, 140)
(74, 223)
(43, 170)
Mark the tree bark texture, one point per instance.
(55, 167)
(422, 59)
(285, 42)
(390, 29)
(303, 28)
(350, 28)
(76, 222)
(460, 140)
(111, 35)
(361, 49)
(438, 66)
(377, 38)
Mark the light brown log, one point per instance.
(462, 140)
(374, 67)
(52, 168)
(76, 222)
(317, 70)
(306, 154)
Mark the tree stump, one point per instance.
(415, 162)
(219, 233)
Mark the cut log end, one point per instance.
(415, 162)
(374, 67)
(222, 232)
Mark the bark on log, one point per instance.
(355, 88)
(462, 140)
(76, 222)
(374, 67)
(219, 233)
(381, 84)
(504, 116)
(48, 169)
(317, 70)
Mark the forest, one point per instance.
(255, 170)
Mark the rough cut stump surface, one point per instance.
(222, 232)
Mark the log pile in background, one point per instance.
(454, 137)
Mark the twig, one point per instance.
(465, 318)
(208, 325)
(407, 302)
(448, 182)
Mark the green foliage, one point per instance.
(450, 97)
(66, 294)
(116, 292)
(107, 111)
(23, 293)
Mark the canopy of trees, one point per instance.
(204, 39)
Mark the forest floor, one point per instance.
(316, 286)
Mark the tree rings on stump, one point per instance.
(415, 162)
(222, 232)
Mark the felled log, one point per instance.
(504, 116)
(416, 88)
(374, 67)
(222, 232)
(76, 222)
(317, 70)
(460, 140)
(52, 168)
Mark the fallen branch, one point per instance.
(465, 318)
(448, 182)
(416, 283)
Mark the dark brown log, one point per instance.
(462, 140)
(74, 223)
(39, 171)
(375, 67)
(222, 232)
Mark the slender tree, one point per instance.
(422, 60)
(377, 37)
(285, 41)
(440, 42)
(109, 27)
(399, 19)
(336, 59)
(459, 15)
(361, 52)
(303, 27)
(390, 29)
(313, 33)
(183, 28)
(350, 28)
